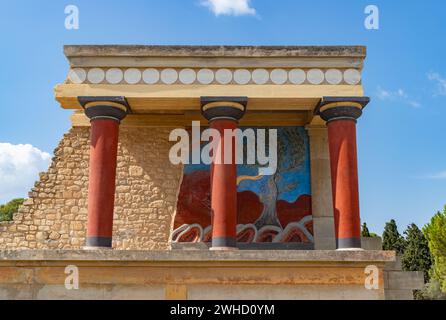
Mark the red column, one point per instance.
(101, 189)
(224, 192)
(223, 114)
(341, 119)
(105, 118)
(344, 179)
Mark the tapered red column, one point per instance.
(223, 115)
(105, 115)
(341, 115)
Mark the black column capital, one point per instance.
(114, 108)
(232, 108)
(341, 108)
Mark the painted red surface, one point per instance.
(224, 187)
(344, 175)
(101, 190)
(291, 212)
(194, 207)
(194, 204)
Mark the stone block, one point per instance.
(399, 295)
(369, 243)
(405, 280)
(324, 233)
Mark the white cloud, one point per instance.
(19, 168)
(437, 176)
(440, 83)
(229, 7)
(397, 96)
(440, 175)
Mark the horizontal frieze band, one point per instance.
(205, 76)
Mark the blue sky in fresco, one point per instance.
(401, 137)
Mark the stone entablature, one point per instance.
(173, 78)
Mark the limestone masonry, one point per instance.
(55, 215)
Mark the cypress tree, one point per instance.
(392, 239)
(364, 230)
(416, 256)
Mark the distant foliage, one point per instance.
(7, 210)
(392, 239)
(416, 256)
(435, 232)
(365, 231)
(431, 291)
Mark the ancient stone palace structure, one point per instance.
(138, 225)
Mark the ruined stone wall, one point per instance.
(55, 215)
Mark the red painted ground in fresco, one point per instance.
(194, 209)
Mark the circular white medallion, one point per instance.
(352, 76)
(151, 76)
(260, 76)
(315, 76)
(96, 75)
(187, 76)
(223, 76)
(279, 76)
(132, 76)
(77, 75)
(242, 76)
(205, 76)
(333, 76)
(297, 76)
(114, 75)
(169, 76)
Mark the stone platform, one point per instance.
(191, 274)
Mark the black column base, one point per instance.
(348, 243)
(224, 242)
(99, 242)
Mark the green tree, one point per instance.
(392, 239)
(435, 232)
(416, 256)
(365, 231)
(8, 210)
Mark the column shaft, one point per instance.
(344, 175)
(101, 190)
(223, 114)
(224, 191)
(341, 114)
(105, 115)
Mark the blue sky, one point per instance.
(400, 137)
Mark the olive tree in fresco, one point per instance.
(290, 141)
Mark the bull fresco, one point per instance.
(274, 208)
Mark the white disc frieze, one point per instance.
(279, 76)
(242, 76)
(223, 76)
(96, 75)
(187, 76)
(132, 76)
(315, 76)
(205, 76)
(114, 75)
(77, 75)
(352, 76)
(260, 76)
(151, 76)
(169, 76)
(333, 76)
(297, 76)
